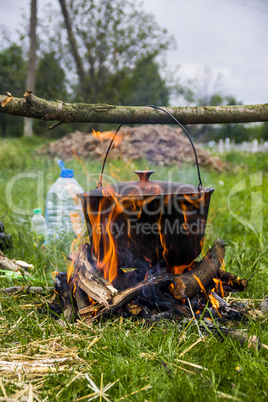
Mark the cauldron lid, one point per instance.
(145, 187)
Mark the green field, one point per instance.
(140, 359)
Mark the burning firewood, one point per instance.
(150, 296)
(201, 276)
(67, 303)
(231, 282)
(128, 294)
(87, 278)
(185, 286)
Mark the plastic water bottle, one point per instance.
(39, 228)
(64, 215)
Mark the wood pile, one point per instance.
(160, 144)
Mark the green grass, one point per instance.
(136, 354)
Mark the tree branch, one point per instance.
(32, 106)
(73, 44)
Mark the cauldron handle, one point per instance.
(181, 126)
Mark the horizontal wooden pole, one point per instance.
(37, 108)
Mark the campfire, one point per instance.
(160, 294)
(145, 238)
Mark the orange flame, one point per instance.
(178, 270)
(201, 286)
(219, 285)
(107, 135)
(109, 262)
(214, 302)
(105, 245)
(70, 271)
(222, 264)
(103, 242)
(74, 286)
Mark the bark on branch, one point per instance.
(32, 106)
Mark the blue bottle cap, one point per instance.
(65, 172)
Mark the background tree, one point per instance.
(206, 89)
(12, 78)
(51, 81)
(114, 58)
(108, 41)
(51, 84)
(31, 62)
(143, 86)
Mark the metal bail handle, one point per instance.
(181, 126)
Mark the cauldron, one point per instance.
(156, 221)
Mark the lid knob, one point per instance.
(144, 174)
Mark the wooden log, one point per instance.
(251, 341)
(166, 299)
(231, 282)
(11, 265)
(242, 336)
(201, 276)
(264, 305)
(81, 298)
(126, 295)
(185, 285)
(66, 299)
(25, 289)
(182, 310)
(88, 278)
(37, 108)
(88, 284)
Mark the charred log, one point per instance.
(231, 282)
(67, 302)
(81, 298)
(87, 278)
(201, 276)
(153, 284)
(160, 292)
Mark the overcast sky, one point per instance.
(229, 36)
